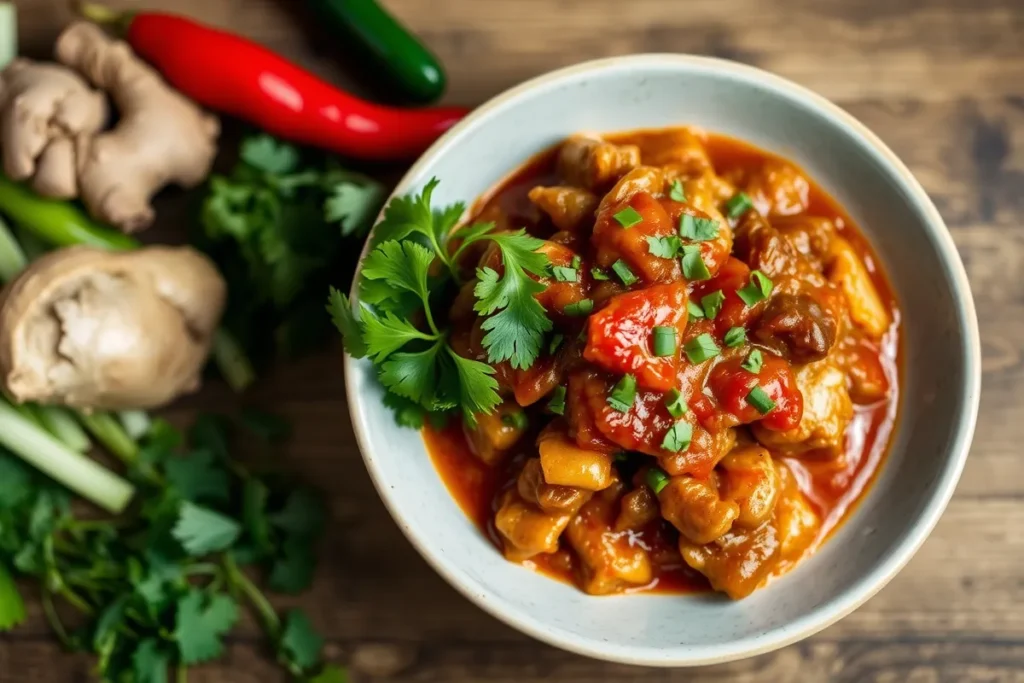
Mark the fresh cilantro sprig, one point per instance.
(416, 252)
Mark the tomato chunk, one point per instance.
(620, 334)
(732, 276)
(731, 384)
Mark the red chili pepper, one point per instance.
(236, 76)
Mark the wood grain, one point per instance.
(941, 81)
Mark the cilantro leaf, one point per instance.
(413, 375)
(15, 481)
(300, 644)
(292, 571)
(202, 531)
(254, 516)
(267, 426)
(198, 477)
(12, 607)
(201, 621)
(268, 154)
(109, 621)
(353, 206)
(402, 265)
(303, 514)
(413, 214)
(663, 247)
(150, 662)
(478, 390)
(385, 333)
(516, 333)
(407, 413)
(344, 318)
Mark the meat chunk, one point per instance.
(681, 148)
(738, 562)
(570, 208)
(778, 189)
(749, 477)
(695, 508)
(548, 497)
(593, 164)
(796, 521)
(827, 411)
(798, 326)
(566, 464)
(525, 529)
(609, 561)
(638, 508)
(812, 236)
(849, 274)
(495, 433)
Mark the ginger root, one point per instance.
(43, 109)
(90, 328)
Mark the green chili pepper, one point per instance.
(58, 223)
(398, 54)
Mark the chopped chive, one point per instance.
(678, 437)
(701, 348)
(677, 194)
(664, 340)
(556, 343)
(697, 229)
(564, 274)
(693, 264)
(623, 394)
(712, 304)
(735, 336)
(694, 309)
(656, 479)
(627, 276)
(579, 308)
(675, 404)
(738, 205)
(758, 289)
(663, 247)
(760, 399)
(628, 217)
(577, 262)
(516, 420)
(557, 403)
(598, 274)
(753, 362)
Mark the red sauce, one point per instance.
(833, 487)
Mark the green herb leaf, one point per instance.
(385, 333)
(598, 274)
(331, 674)
(736, 336)
(623, 394)
(657, 479)
(402, 265)
(202, 531)
(299, 642)
(269, 154)
(701, 348)
(697, 229)
(303, 515)
(412, 214)
(407, 413)
(565, 274)
(676, 404)
(478, 390)
(12, 607)
(292, 570)
(627, 276)
(664, 247)
(738, 204)
(201, 621)
(758, 289)
(760, 399)
(677, 439)
(579, 308)
(628, 217)
(150, 662)
(556, 343)
(693, 264)
(556, 404)
(712, 304)
(353, 205)
(198, 477)
(753, 362)
(677, 194)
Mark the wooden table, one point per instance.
(941, 81)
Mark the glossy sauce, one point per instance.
(832, 487)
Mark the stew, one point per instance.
(720, 382)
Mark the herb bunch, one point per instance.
(161, 586)
(400, 323)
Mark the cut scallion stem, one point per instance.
(657, 479)
(664, 341)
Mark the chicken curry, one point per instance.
(720, 382)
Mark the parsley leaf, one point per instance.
(412, 214)
(663, 247)
(150, 662)
(353, 206)
(516, 332)
(344, 318)
(201, 621)
(202, 531)
(292, 571)
(299, 642)
(198, 477)
(12, 607)
(303, 514)
(268, 154)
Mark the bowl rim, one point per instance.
(860, 590)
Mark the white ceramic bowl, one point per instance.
(940, 384)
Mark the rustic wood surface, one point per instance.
(942, 81)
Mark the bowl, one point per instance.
(940, 383)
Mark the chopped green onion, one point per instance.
(753, 362)
(678, 437)
(557, 403)
(760, 399)
(628, 217)
(664, 340)
(735, 336)
(598, 274)
(516, 420)
(579, 308)
(677, 194)
(694, 309)
(663, 247)
(698, 229)
(712, 304)
(577, 262)
(564, 274)
(758, 289)
(627, 276)
(656, 479)
(701, 348)
(623, 394)
(693, 265)
(738, 205)
(675, 404)
(556, 343)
